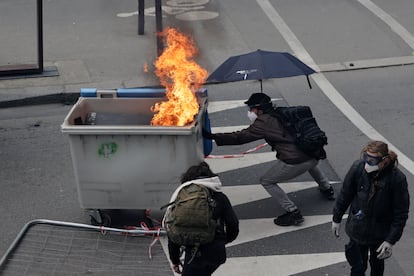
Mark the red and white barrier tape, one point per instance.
(255, 148)
(156, 238)
(237, 155)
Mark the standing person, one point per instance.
(204, 260)
(291, 161)
(376, 191)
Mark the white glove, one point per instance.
(335, 228)
(384, 250)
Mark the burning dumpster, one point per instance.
(130, 146)
(120, 160)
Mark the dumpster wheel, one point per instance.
(99, 218)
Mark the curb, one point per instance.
(66, 98)
(63, 98)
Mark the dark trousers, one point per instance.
(206, 260)
(357, 256)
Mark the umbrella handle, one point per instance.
(261, 86)
(307, 77)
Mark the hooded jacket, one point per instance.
(270, 129)
(379, 204)
(227, 230)
(213, 183)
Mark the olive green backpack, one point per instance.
(189, 220)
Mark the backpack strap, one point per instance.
(194, 251)
(166, 205)
(284, 122)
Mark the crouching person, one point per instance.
(200, 220)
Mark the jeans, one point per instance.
(357, 257)
(282, 171)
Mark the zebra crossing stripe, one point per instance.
(241, 194)
(219, 165)
(281, 265)
(239, 155)
(223, 129)
(249, 228)
(217, 106)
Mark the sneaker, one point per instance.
(289, 218)
(329, 193)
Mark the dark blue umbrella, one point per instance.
(260, 65)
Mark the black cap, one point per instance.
(258, 99)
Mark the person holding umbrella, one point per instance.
(260, 65)
(290, 163)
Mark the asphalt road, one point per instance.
(352, 104)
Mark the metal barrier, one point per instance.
(134, 231)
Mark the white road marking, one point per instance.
(281, 265)
(151, 11)
(187, 11)
(186, 3)
(326, 87)
(255, 229)
(390, 21)
(216, 106)
(224, 165)
(241, 194)
(366, 64)
(197, 15)
(228, 128)
(285, 264)
(249, 232)
(287, 34)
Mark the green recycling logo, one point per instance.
(107, 149)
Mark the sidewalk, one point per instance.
(88, 44)
(64, 88)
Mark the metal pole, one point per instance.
(141, 17)
(40, 34)
(158, 21)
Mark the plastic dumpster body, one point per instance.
(121, 161)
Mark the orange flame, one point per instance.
(145, 67)
(180, 76)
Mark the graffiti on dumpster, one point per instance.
(107, 149)
(186, 10)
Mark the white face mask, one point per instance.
(252, 116)
(370, 168)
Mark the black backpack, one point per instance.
(299, 121)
